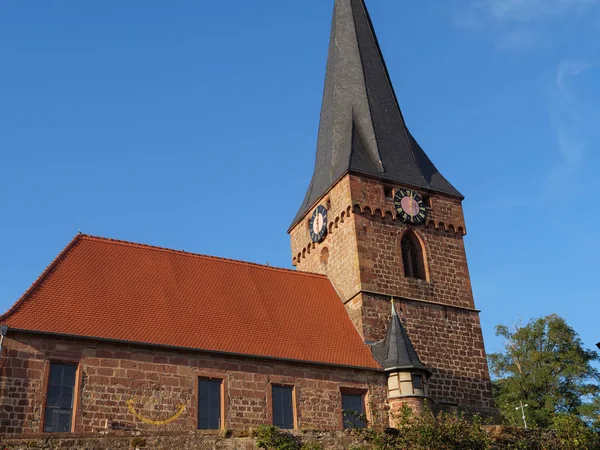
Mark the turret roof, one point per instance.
(396, 351)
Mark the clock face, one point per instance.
(318, 224)
(410, 206)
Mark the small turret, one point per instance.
(408, 377)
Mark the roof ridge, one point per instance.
(42, 276)
(198, 255)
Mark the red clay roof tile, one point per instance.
(117, 290)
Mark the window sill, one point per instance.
(409, 396)
(419, 281)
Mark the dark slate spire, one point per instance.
(396, 350)
(362, 129)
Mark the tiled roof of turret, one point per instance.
(396, 351)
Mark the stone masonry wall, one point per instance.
(332, 440)
(378, 238)
(132, 388)
(364, 247)
(502, 438)
(439, 312)
(340, 260)
(342, 265)
(450, 342)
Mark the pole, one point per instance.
(523, 412)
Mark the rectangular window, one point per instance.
(283, 408)
(59, 398)
(353, 406)
(417, 382)
(209, 404)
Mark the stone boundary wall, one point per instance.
(336, 440)
(503, 437)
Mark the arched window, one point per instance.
(412, 256)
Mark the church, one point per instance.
(378, 313)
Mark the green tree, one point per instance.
(545, 366)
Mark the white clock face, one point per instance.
(410, 206)
(318, 223)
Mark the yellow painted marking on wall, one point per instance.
(131, 408)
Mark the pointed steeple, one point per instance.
(362, 129)
(396, 351)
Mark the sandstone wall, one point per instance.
(132, 388)
(438, 312)
(168, 441)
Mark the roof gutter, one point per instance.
(410, 368)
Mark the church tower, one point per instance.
(386, 227)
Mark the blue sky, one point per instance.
(192, 125)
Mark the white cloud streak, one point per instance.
(517, 41)
(569, 69)
(528, 10)
(574, 123)
(519, 25)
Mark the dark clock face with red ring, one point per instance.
(410, 206)
(318, 224)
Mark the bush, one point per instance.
(521, 439)
(574, 434)
(428, 432)
(456, 432)
(270, 437)
(448, 432)
(138, 442)
(442, 431)
(311, 446)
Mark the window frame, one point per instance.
(417, 263)
(284, 382)
(75, 402)
(421, 383)
(364, 394)
(222, 404)
(272, 406)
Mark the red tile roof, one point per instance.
(117, 290)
